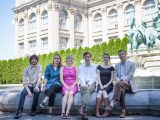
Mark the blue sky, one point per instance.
(7, 38)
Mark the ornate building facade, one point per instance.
(43, 26)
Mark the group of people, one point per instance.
(67, 78)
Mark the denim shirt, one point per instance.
(52, 76)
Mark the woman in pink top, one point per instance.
(68, 77)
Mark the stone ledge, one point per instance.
(144, 101)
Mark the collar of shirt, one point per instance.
(30, 66)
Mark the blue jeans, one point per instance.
(23, 96)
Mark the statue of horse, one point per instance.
(136, 37)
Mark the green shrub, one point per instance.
(11, 71)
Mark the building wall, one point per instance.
(96, 22)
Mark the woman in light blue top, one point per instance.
(52, 83)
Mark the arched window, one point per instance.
(32, 46)
(113, 19)
(63, 15)
(129, 13)
(97, 22)
(44, 19)
(21, 26)
(78, 23)
(149, 9)
(32, 23)
(21, 48)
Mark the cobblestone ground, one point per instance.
(10, 116)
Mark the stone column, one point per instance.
(90, 26)
(85, 30)
(120, 20)
(26, 45)
(55, 31)
(138, 12)
(50, 26)
(104, 24)
(16, 35)
(38, 41)
(71, 28)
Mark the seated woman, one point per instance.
(68, 77)
(105, 83)
(52, 83)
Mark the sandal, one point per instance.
(63, 115)
(68, 116)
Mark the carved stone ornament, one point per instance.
(16, 18)
(72, 11)
(49, 6)
(85, 12)
(56, 7)
(25, 14)
(104, 10)
(119, 6)
(38, 10)
(137, 2)
(90, 13)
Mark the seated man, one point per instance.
(87, 77)
(125, 83)
(31, 80)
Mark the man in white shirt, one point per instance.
(87, 77)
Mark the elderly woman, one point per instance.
(68, 77)
(52, 83)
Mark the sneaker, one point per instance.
(18, 115)
(32, 114)
(49, 115)
(42, 105)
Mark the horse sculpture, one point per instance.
(148, 36)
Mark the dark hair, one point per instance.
(33, 57)
(122, 51)
(87, 53)
(60, 63)
(107, 55)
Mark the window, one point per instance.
(44, 44)
(63, 43)
(78, 43)
(113, 19)
(78, 22)
(97, 22)
(32, 46)
(63, 19)
(129, 13)
(97, 41)
(21, 48)
(149, 9)
(21, 26)
(44, 19)
(32, 23)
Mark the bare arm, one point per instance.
(61, 78)
(99, 81)
(76, 78)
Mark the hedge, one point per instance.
(11, 71)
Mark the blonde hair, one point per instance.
(69, 56)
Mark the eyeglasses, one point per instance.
(56, 58)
